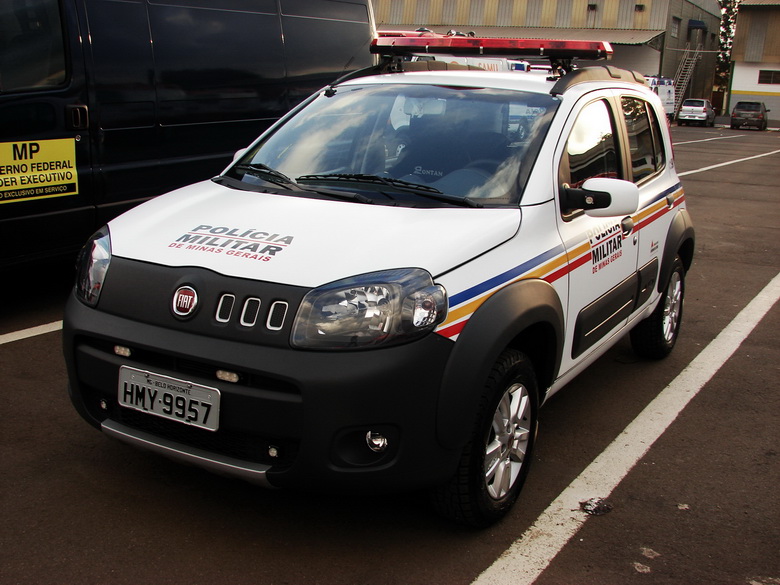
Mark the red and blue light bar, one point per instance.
(459, 45)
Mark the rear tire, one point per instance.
(655, 336)
(494, 463)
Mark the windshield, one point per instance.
(473, 144)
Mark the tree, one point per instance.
(728, 9)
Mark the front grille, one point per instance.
(242, 446)
(238, 309)
(186, 368)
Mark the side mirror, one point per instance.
(239, 153)
(601, 197)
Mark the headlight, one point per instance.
(92, 266)
(380, 308)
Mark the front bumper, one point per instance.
(295, 419)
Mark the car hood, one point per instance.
(302, 241)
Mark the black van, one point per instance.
(105, 103)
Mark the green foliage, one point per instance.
(728, 10)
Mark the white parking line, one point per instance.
(31, 332)
(723, 164)
(528, 556)
(709, 139)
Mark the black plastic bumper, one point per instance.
(295, 418)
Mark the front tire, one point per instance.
(655, 336)
(494, 463)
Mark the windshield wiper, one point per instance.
(366, 178)
(269, 174)
(417, 188)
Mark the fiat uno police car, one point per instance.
(383, 289)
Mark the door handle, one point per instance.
(628, 226)
(76, 117)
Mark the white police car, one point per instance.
(382, 290)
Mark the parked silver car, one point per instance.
(698, 111)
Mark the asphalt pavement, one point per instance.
(699, 508)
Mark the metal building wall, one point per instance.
(620, 14)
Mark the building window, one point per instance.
(676, 22)
(768, 77)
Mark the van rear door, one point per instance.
(46, 187)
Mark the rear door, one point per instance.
(660, 191)
(46, 187)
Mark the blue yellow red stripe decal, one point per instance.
(549, 266)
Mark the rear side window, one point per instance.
(644, 138)
(32, 49)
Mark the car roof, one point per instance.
(534, 82)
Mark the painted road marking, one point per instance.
(528, 556)
(708, 139)
(723, 164)
(31, 332)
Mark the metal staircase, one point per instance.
(684, 73)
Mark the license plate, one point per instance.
(178, 400)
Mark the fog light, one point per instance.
(122, 351)
(376, 442)
(226, 376)
(103, 405)
(273, 451)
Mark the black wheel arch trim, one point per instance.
(679, 241)
(526, 315)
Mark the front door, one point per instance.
(602, 252)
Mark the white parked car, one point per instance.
(336, 312)
(696, 111)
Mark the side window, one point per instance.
(644, 138)
(591, 148)
(32, 51)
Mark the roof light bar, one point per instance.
(458, 45)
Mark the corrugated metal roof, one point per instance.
(611, 35)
